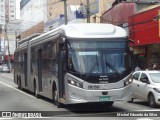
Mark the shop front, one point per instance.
(153, 56)
(144, 30)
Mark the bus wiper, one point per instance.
(114, 69)
(92, 68)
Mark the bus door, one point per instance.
(61, 70)
(40, 70)
(25, 69)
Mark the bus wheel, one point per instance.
(36, 90)
(55, 98)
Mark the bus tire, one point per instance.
(35, 90)
(55, 97)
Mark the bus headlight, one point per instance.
(74, 82)
(127, 82)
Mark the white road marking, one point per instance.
(17, 89)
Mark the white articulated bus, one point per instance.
(76, 63)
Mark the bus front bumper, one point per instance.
(78, 95)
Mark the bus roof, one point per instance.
(93, 30)
(88, 30)
(83, 30)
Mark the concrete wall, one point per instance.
(32, 14)
(39, 28)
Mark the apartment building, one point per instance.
(2, 12)
(7, 14)
(7, 11)
(32, 16)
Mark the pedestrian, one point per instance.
(82, 9)
(154, 67)
(137, 68)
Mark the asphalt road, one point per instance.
(12, 99)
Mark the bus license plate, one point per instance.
(104, 98)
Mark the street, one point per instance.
(12, 99)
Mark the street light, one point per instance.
(88, 12)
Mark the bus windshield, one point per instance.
(101, 58)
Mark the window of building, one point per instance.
(11, 1)
(12, 16)
(11, 6)
(2, 16)
(12, 11)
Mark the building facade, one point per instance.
(7, 15)
(7, 11)
(120, 14)
(145, 31)
(55, 12)
(32, 17)
(42, 15)
(122, 9)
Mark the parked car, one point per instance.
(146, 86)
(5, 68)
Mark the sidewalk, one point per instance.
(6, 75)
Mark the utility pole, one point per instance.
(65, 12)
(0, 39)
(16, 39)
(9, 61)
(88, 12)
